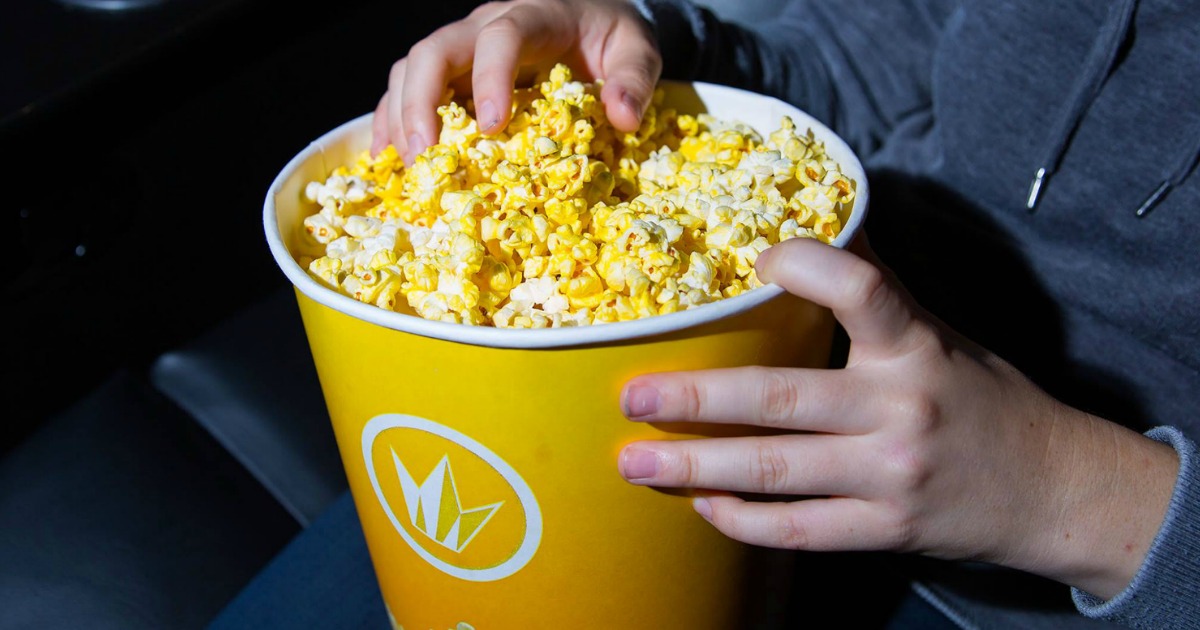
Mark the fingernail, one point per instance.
(702, 507)
(415, 145)
(641, 400)
(377, 145)
(760, 263)
(639, 464)
(488, 115)
(633, 105)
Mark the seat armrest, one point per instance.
(252, 384)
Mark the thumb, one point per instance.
(872, 307)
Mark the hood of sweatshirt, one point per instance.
(1114, 35)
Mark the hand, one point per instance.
(923, 443)
(486, 52)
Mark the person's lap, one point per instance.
(324, 579)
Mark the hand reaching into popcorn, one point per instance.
(923, 443)
(483, 54)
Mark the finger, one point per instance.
(630, 68)
(819, 465)
(394, 117)
(784, 398)
(874, 310)
(379, 126)
(429, 66)
(519, 35)
(834, 524)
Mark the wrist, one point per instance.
(1107, 492)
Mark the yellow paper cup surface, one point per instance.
(483, 461)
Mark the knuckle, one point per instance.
(866, 285)
(691, 400)
(780, 396)
(917, 412)
(430, 46)
(793, 532)
(501, 26)
(684, 467)
(440, 39)
(488, 8)
(768, 468)
(909, 470)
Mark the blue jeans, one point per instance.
(324, 579)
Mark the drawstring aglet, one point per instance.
(1153, 199)
(1035, 189)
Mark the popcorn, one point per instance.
(561, 220)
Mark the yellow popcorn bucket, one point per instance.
(483, 461)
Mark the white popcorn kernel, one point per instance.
(321, 229)
(361, 227)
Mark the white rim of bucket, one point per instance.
(570, 335)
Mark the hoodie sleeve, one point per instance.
(859, 66)
(1165, 592)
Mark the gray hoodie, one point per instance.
(1033, 181)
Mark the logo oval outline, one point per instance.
(529, 504)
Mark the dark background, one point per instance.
(138, 147)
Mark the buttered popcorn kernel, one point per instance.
(561, 220)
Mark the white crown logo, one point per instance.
(434, 507)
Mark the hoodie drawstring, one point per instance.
(1185, 167)
(1098, 65)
